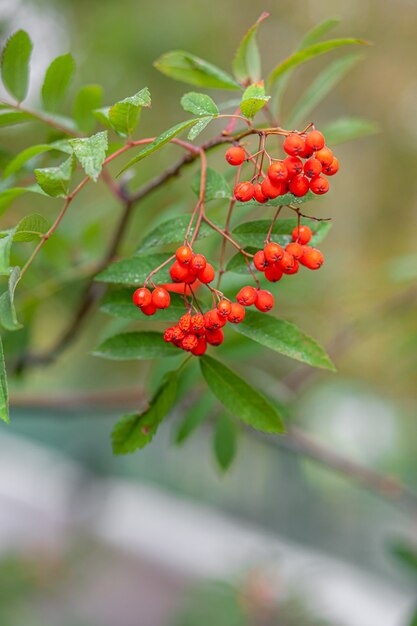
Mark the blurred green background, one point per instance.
(362, 303)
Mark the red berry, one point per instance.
(258, 194)
(286, 263)
(247, 296)
(169, 335)
(197, 324)
(181, 273)
(237, 313)
(312, 167)
(295, 249)
(273, 252)
(270, 189)
(293, 269)
(214, 320)
(235, 155)
(260, 261)
(302, 235)
(325, 156)
(178, 334)
(332, 169)
(142, 297)
(278, 172)
(243, 191)
(197, 263)
(294, 166)
(273, 273)
(312, 258)
(190, 342)
(200, 348)
(264, 301)
(315, 140)
(161, 298)
(185, 322)
(299, 186)
(319, 185)
(207, 274)
(224, 307)
(293, 144)
(184, 254)
(215, 337)
(150, 309)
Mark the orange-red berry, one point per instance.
(264, 301)
(273, 252)
(224, 307)
(200, 348)
(237, 313)
(294, 166)
(315, 140)
(302, 234)
(184, 254)
(161, 298)
(235, 155)
(286, 263)
(150, 309)
(207, 274)
(293, 269)
(215, 337)
(270, 189)
(312, 258)
(190, 342)
(185, 322)
(319, 185)
(332, 169)
(197, 323)
(169, 335)
(299, 186)
(273, 273)
(247, 296)
(325, 156)
(312, 167)
(278, 172)
(258, 194)
(214, 320)
(243, 191)
(142, 297)
(197, 263)
(260, 261)
(293, 144)
(295, 249)
(181, 273)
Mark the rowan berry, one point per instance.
(243, 191)
(273, 252)
(184, 255)
(293, 144)
(277, 172)
(235, 155)
(306, 153)
(178, 334)
(294, 269)
(302, 234)
(264, 301)
(295, 249)
(185, 322)
(260, 261)
(213, 320)
(197, 263)
(207, 274)
(169, 335)
(270, 189)
(332, 169)
(181, 273)
(237, 313)
(215, 337)
(312, 167)
(273, 273)
(258, 194)
(319, 185)
(325, 156)
(286, 263)
(299, 185)
(294, 166)
(315, 140)
(150, 309)
(142, 297)
(247, 296)
(190, 342)
(200, 348)
(161, 298)
(224, 307)
(197, 324)
(312, 258)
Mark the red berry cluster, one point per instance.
(290, 174)
(275, 261)
(189, 267)
(150, 301)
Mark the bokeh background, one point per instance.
(162, 537)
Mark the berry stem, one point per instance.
(274, 219)
(223, 234)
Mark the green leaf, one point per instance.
(87, 99)
(349, 128)
(137, 430)
(199, 104)
(171, 231)
(55, 181)
(119, 304)
(247, 60)
(5, 249)
(301, 56)
(102, 115)
(253, 233)
(216, 188)
(9, 118)
(318, 31)
(253, 99)
(190, 69)
(91, 153)
(284, 200)
(239, 397)
(135, 345)
(413, 618)
(225, 441)
(30, 228)
(199, 127)
(8, 318)
(194, 417)
(4, 392)
(124, 115)
(158, 143)
(56, 82)
(135, 269)
(321, 87)
(29, 153)
(283, 337)
(15, 64)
